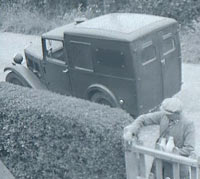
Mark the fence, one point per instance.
(136, 166)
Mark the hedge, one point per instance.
(48, 14)
(46, 135)
(182, 10)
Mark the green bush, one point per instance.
(30, 19)
(184, 11)
(46, 135)
(190, 43)
(47, 14)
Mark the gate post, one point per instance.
(130, 161)
(135, 162)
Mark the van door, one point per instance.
(80, 59)
(56, 67)
(149, 74)
(170, 60)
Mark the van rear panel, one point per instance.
(158, 71)
(170, 60)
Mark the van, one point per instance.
(125, 60)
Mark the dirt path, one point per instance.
(11, 44)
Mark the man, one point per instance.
(172, 124)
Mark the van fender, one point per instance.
(26, 75)
(92, 89)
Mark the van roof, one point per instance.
(116, 26)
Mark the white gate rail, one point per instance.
(136, 168)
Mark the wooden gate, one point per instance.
(136, 167)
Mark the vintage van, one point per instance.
(131, 61)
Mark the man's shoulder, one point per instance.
(186, 121)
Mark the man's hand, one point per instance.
(128, 133)
(128, 136)
(176, 150)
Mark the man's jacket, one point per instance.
(182, 130)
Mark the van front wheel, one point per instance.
(102, 98)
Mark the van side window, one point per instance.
(168, 45)
(110, 58)
(148, 53)
(80, 53)
(54, 49)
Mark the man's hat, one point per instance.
(171, 105)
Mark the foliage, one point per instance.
(190, 43)
(47, 14)
(45, 135)
(24, 19)
(182, 10)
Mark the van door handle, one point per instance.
(163, 61)
(66, 70)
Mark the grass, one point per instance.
(190, 42)
(32, 22)
(27, 22)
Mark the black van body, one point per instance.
(131, 61)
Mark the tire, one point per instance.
(11, 77)
(104, 99)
